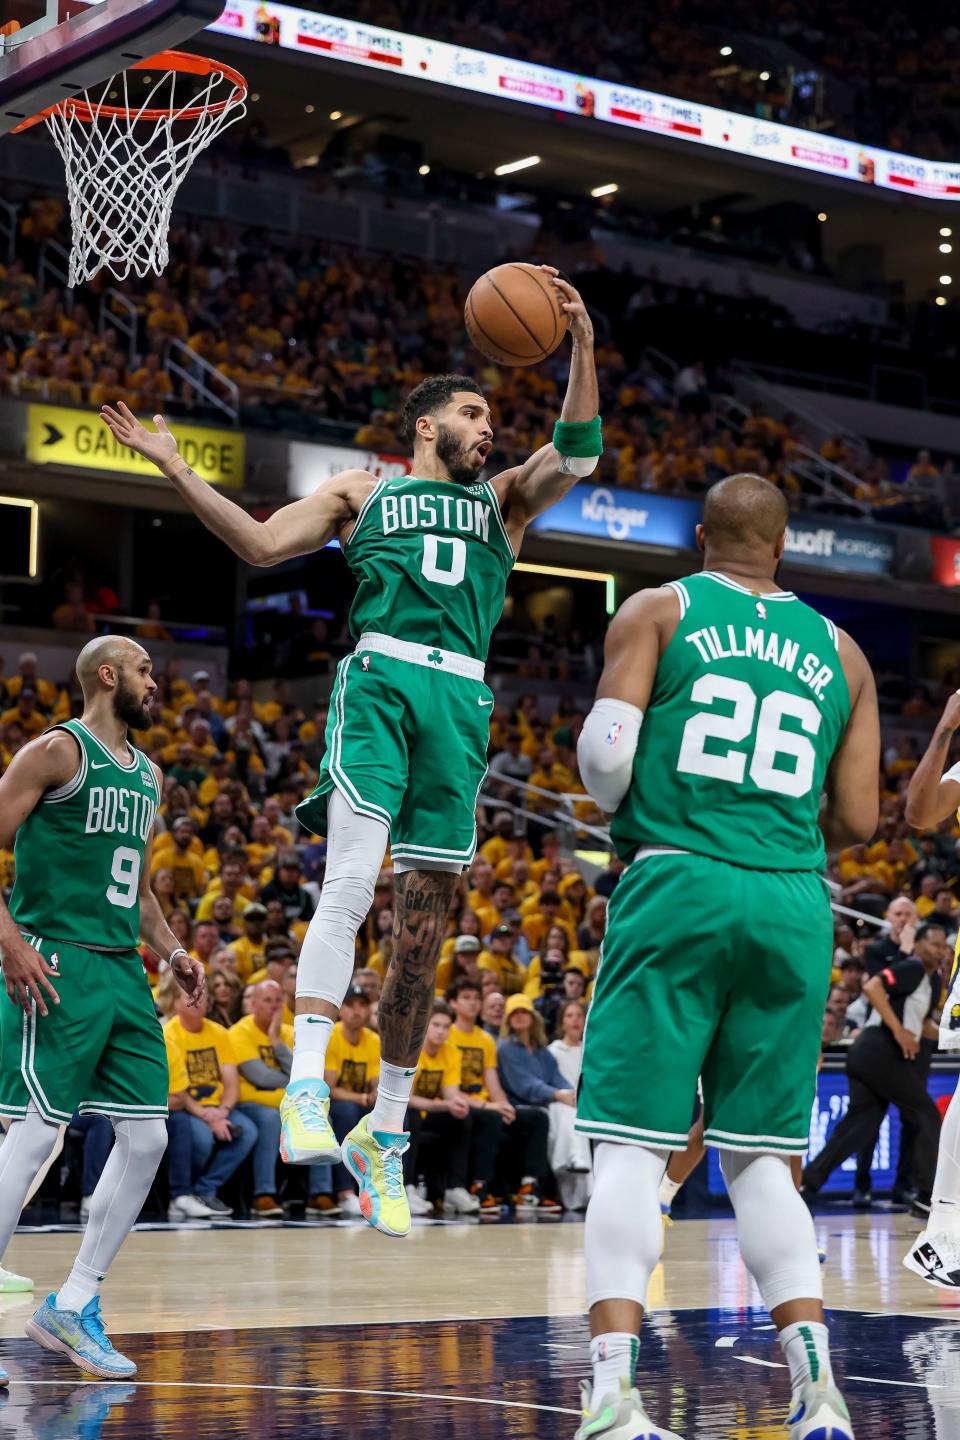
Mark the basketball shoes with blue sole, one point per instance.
(80, 1337)
(375, 1160)
(306, 1135)
(819, 1413)
(618, 1417)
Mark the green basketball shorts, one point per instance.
(100, 1050)
(708, 970)
(407, 739)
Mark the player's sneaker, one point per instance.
(818, 1412)
(418, 1205)
(374, 1159)
(81, 1337)
(617, 1417)
(306, 1136)
(528, 1198)
(935, 1257)
(322, 1207)
(487, 1204)
(4, 1377)
(458, 1201)
(13, 1284)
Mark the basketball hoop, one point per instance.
(127, 153)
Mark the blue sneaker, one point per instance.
(4, 1377)
(81, 1338)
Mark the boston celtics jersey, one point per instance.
(79, 853)
(748, 707)
(432, 558)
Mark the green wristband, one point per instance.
(578, 438)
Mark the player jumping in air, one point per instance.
(79, 1030)
(725, 707)
(933, 796)
(409, 717)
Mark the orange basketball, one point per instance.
(513, 315)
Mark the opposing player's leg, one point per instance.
(355, 850)
(69, 1321)
(680, 1167)
(935, 1254)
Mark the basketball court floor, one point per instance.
(464, 1330)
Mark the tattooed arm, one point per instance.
(931, 797)
(421, 904)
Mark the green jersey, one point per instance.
(432, 558)
(79, 853)
(748, 707)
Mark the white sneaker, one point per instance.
(188, 1207)
(84, 1209)
(13, 1284)
(935, 1257)
(460, 1201)
(350, 1207)
(418, 1206)
(618, 1417)
(819, 1413)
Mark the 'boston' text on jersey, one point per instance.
(426, 512)
(112, 811)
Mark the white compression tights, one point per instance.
(356, 845)
(118, 1199)
(774, 1227)
(623, 1229)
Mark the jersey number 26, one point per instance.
(770, 741)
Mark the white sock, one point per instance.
(945, 1205)
(393, 1096)
(613, 1355)
(79, 1288)
(311, 1036)
(669, 1190)
(806, 1346)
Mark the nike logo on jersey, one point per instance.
(102, 766)
(481, 701)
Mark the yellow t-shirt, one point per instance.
(356, 1066)
(478, 1053)
(509, 972)
(250, 957)
(250, 1043)
(205, 908)
(435, 1071)
(196, 1060)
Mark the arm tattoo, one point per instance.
(421, 904)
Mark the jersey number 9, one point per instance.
(125, 873)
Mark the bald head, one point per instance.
(114, 670)
(114, 651)
(745, 515)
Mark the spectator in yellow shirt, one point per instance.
(189, 871)
(250, 950)
(208, 1141)
(546, 914)
(439, 1123)
(206, 939)
(263, 1051)
(352, 1071)
(231, 885)
(499, 958)
(27, 678)
(480, 893)
(26, 714)
(550, 856)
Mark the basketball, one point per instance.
(513, 315)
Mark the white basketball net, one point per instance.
(123, 172)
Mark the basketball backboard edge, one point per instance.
(104, 39)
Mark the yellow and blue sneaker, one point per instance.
(375, 1160)
(306, 1135)
(81, 1337)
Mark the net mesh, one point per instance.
(124, 169)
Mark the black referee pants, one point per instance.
(878, 1075)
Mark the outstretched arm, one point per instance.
(296, 529)
(853, 790)
(931, 797)
(547, 476)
